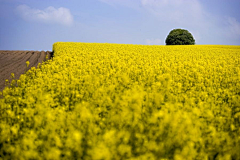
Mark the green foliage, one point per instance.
(180, 37)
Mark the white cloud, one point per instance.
(49, 15)
(206, 26)
(134, 4)
(180, 12)
(110, 2)
(153, 41)
(234, 26)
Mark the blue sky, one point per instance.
(37, 24)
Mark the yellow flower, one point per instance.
(27, 63)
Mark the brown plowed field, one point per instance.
(15, 62)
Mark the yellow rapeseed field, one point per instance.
(118, 101)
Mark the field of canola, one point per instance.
(118, 101)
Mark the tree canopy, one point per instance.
(180, 37)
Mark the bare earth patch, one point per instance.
(15, 62)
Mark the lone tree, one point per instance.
(180, 37)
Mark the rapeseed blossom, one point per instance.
(118, 101)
